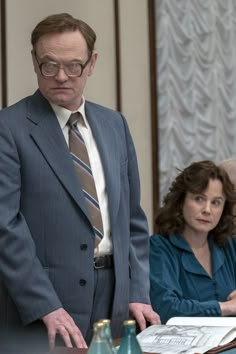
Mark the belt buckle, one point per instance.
(98, 267)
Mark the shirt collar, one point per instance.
(217, 253)
(180, 242)
(63, 114)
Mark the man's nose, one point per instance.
(61, 75)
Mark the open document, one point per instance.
(185, 338)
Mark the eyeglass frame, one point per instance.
(61, 66)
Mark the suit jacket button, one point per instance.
(82, 282)
(83, 247)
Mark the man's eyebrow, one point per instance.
(48, 57)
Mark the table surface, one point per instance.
(69, 351)
(84, 351)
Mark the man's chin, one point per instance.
(59, 100)
(62, 100)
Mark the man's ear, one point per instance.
(92, 63)
(35, 64)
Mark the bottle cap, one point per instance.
(129, 322)
(98, 324)
(105, 320)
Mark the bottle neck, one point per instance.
(130, 330)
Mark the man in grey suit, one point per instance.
(52, 276)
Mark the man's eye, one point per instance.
(74, 66)
(50, 65)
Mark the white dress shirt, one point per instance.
(63, 114)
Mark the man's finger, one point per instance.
(51, 339)
(75, 336)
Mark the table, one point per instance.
(84, 351)
(68, 351)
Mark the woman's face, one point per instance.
(203, 211)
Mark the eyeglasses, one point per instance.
(71, 69)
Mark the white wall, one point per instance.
(23, 15)
(21, 77)
(135, 84)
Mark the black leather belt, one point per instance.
(103, 262)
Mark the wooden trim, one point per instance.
(118, 55)
(3, 54)
(154, 108)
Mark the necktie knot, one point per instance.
(74, 117)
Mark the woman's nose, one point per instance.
(207, 207)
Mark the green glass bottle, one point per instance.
(107, 329)
(99, 343)
(129, 343)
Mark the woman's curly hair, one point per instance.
(195, 179)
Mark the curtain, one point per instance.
(196, 80)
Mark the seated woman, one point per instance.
(193, 255)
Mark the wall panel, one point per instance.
(135, 89)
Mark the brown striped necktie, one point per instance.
(82, 165)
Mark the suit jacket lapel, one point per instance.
(49, 138)
(102, 128)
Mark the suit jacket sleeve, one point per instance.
(21, 271)
(139, 239)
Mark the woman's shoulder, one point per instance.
(157, 240)
(231, 244)
(173, 242)
(166, 249)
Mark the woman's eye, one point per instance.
(216, 202)
(198, 198)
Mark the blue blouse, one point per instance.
(180, 286)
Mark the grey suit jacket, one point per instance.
(46, 237)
